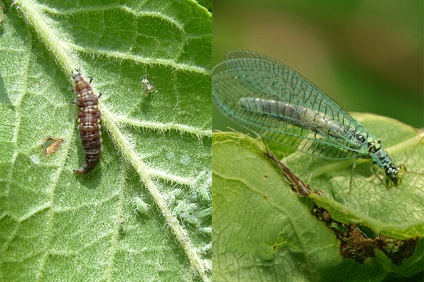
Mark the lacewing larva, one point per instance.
(89, 122)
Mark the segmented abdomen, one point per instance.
(89, 123)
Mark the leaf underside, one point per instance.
(57, 226)
(263, 230)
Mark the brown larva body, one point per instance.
(89, 123)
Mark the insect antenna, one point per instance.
(409, 156)
(413, 150)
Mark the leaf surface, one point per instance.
(264, 231)
(156, 150)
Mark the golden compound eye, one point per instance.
(89, 119)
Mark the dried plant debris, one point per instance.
(3, 9)
(359, 243)
(356, 241)
(298, 186)
(51, 145)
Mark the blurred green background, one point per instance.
(366, 55)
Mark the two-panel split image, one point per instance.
(186, 140)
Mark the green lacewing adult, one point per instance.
(272, 100)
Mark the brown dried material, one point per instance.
(355, 244)
(50, 145)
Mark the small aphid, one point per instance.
(148, 87)
(141, 207)
(50, 145)
(205, 230)
(206, 249)
(123, 220)
(89, 123)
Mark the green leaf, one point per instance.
(144, 212)
(264, 231)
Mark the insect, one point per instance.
(141, 207)
(147, 86)
(89, 122)
(275, 101)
